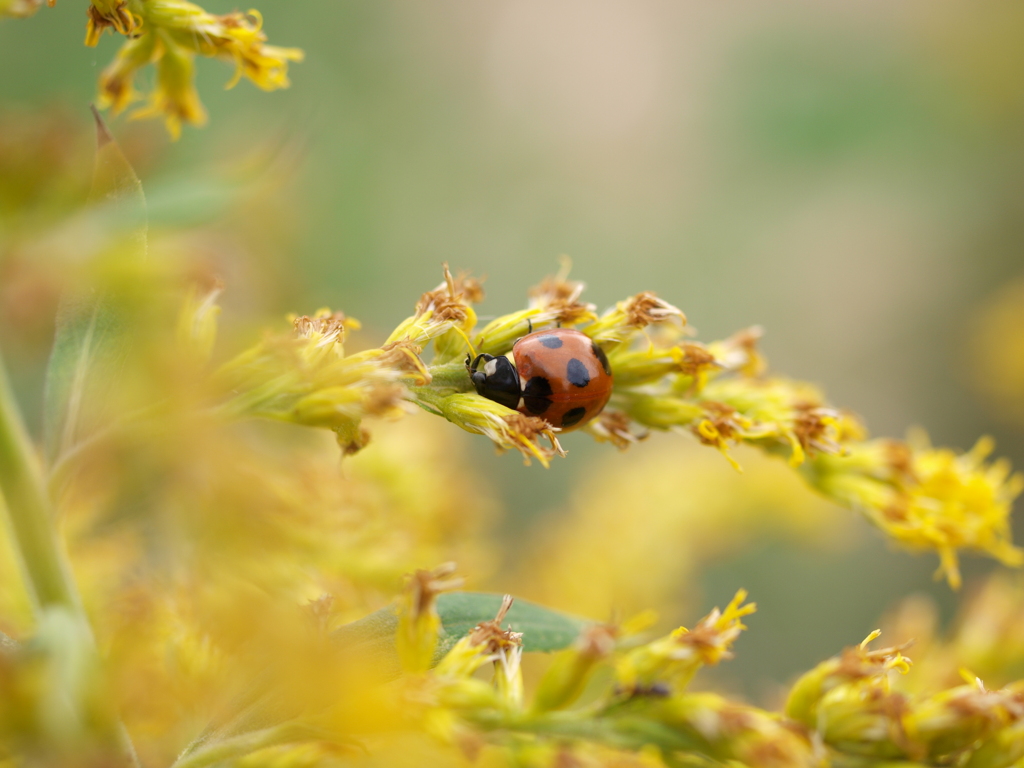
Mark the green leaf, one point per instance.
(373, 637)
(543, 628)
(91, 342)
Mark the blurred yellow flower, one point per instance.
(169, 34)
(109, 13)
(997, 352)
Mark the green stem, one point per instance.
(30, 517)
(29, 513)
(445, 380)
(247, 403)
(450, 376)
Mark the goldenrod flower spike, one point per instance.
(719, 393)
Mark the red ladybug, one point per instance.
(560, 375)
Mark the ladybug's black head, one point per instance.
(496, 379)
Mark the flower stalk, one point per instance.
(29, 512)
(47, 575)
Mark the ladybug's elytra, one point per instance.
(560, 375)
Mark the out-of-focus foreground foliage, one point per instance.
(188, 579)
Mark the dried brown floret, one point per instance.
(449, 300)
(424, 586)
(330, 326)
(694, 359)
(403, 356)
(858, 661)
(719, 425)
(559, 297)
(746, 342)
(471, 288)
(815, 428)
(646, 309)
(900, 458)
(384, 399)
(531, 428)
(614, 427)
(491, 633)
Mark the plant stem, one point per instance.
(450, 376)
(30, 516)
(29, 512)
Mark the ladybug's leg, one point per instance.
(529, 325)
(472, 366)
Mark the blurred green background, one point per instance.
(850, 177)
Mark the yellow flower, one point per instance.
(928, 498)
(673, 660)
(171, 33)
(854, 665)
(442, 310)
(175, 96)
(485, 643)
(235, 37)
(117, 79)
(109, 13)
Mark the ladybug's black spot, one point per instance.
(572, 417)
(536, 405)
(577, 373)
(537, 386)
(601, 358)
(551, 342)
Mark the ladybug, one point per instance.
(560, 375)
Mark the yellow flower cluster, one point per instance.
(927, 498)
(637, 708)
(922, 497)
(169, 34)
